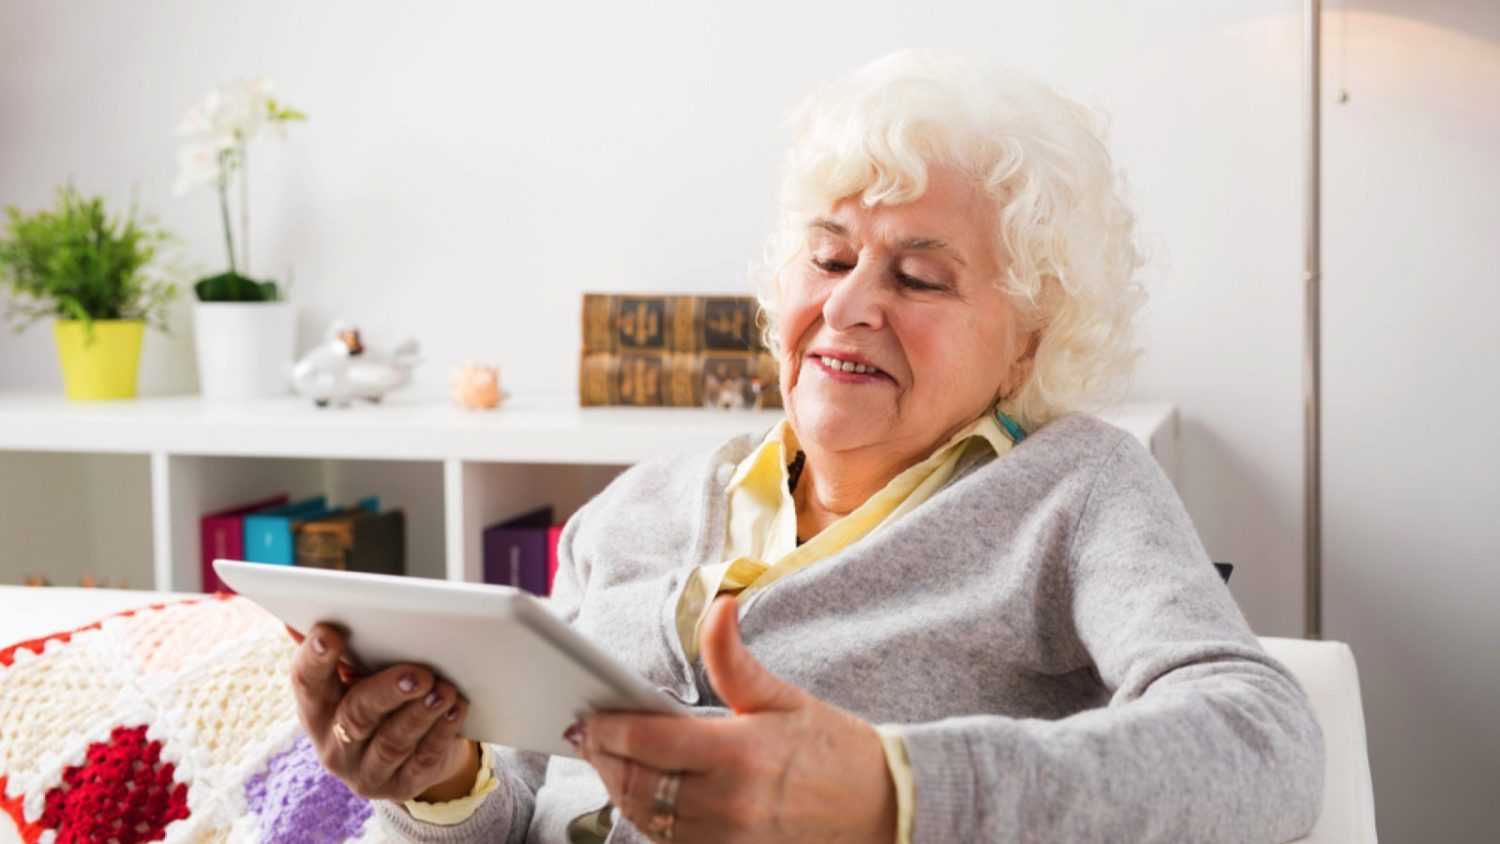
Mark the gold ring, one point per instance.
(341, 734)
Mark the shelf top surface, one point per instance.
(526, 428)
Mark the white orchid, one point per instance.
(233, 113)
(216, 136)
(197, 164)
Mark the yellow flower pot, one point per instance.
(103, 366)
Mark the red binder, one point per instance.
(552, 534)
(222, 534)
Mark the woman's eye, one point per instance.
(911, 282)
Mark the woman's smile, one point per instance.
(847, 371)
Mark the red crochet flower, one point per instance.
(122, 794)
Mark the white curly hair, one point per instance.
(1064, 229)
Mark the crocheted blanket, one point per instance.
(174, 722)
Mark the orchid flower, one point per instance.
(216, 136)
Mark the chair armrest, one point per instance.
(1328, 673)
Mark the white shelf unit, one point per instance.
(452, 471)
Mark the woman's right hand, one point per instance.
(393, 735)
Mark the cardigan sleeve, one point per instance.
(1204, 738)
(507, 808)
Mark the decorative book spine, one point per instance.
(674, 351)
(622, 323)
(679, 379)
(354, 540)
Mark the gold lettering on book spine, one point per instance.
(641, 323)
(727, 324)
(640, 380)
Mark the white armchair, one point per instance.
(1327, 671)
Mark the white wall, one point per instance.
(469, 170)
(1412, 465)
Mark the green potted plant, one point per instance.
(97, 277)
(244, 329)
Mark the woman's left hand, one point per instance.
(785, 767)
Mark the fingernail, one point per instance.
(319, 646)
(407, 683)
(576, 734)
(452, 714)
(431, 700)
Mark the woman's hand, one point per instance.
(785, 767)
(392, 735)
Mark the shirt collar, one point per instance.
(767, 464)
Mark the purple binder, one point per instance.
(515, 551)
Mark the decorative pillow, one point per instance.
(174, 722)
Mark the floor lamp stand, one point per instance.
(1312, 369)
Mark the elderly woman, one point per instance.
(934, 603)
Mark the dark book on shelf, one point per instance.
(723, 379)
(623, 322)
(354, 540)
(515, 551)
(222, 536)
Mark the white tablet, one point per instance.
(526, 674)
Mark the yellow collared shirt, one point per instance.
(762, 523)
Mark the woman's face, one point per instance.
(910, 290)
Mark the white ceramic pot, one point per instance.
(245, 349)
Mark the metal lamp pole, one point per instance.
(1312, 369)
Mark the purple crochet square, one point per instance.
(299, 802)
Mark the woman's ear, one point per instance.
(1020, 370)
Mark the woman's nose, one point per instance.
(856, 300)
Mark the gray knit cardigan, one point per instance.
(1064, 662)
